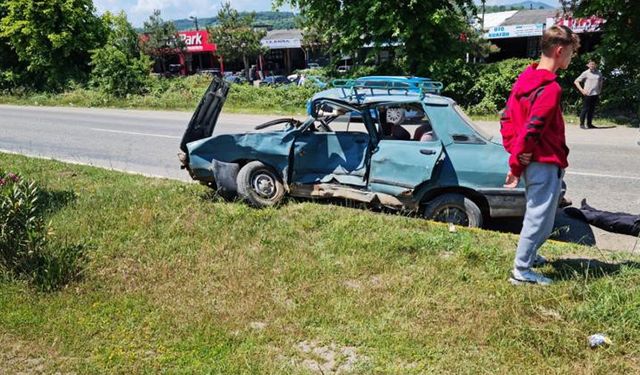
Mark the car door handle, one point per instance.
(426, 151)
(359, 140)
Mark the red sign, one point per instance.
(197, 41)
(581, 25)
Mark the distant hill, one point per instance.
(277, 20)
(517, 6)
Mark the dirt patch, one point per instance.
(258, 326)
(20, 357)
(352, 284)
(328, 359)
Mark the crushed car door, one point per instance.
(398, 166)
(330, 157)
(206, 115)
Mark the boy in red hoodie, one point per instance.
(532, 130)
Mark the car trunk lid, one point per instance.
(205, 117)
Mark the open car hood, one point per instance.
(206, 115)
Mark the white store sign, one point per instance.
(515, 31)
(281, 43)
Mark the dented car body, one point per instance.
(409, 151)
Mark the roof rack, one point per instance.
(358, 91)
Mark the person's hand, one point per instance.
(584, 92)
(525, 158)
(511, 181)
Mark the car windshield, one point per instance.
(469, 122)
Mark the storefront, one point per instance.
(516, 40)
(200, 54)
(518, 33)
(285, 52)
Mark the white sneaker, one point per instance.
(540, 261)
(528, 277)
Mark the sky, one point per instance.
(139, 10)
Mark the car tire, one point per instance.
(259, 185)
(454, 208)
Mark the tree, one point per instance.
(425, 30)
(161, 39)
(119, 67)
(9, 64)
(51, 39)
(235, 36)
(568, 6)
(618, 48)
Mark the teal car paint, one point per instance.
(442, 166)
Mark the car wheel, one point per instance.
(259, 185)
(454, 208)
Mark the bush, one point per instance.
(458, 77)
(25, 250)
(494, 83)
(282, 99)
(118, 74)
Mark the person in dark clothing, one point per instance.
(615, 222)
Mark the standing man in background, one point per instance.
(589, 83)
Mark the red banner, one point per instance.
(581, 25)
(197, 41)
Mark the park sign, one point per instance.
(197, 41)
(515, 31)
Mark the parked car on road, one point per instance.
(235, 78)
(275, 80)
(308, 80)
(212, 71)
(343, 69)
(413, 152)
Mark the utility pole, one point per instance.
(482, 22)
(195, 20)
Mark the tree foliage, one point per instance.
(50, 39)
(161, 39)
(425, 30)
(619, 48)
(119, 67)
(9, 63)
(235, 36)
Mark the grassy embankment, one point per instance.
(176, 280)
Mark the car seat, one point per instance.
(394, 117)
(424, 133)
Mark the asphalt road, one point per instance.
(604, 163)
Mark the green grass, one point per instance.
(179, 281)
(184, 93)
(179, 94)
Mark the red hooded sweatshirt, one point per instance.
(532, 120)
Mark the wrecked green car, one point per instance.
(408, 151)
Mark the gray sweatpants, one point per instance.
(543, 184)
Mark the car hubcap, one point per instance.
(453, 215)
(264, 184)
